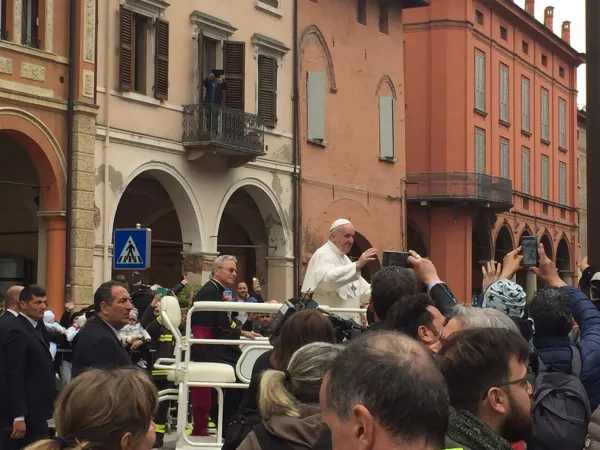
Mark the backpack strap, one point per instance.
(576, 362)
(268, 441)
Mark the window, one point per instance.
(386, 127)
(234, 65)
(525, 47)
(504, 93)
(562, 123)
(561, 72)
(361, 11)
(479, 17)
(29, 23)
(545, 60)
(136, 54)
(562, 183)
(545, 173)
(525, 170)
(212, 57)
(525, 104)
(384, 14)
(273, 3)
(316, 106)
(3, 25)
(267, 89)
(544, 116)
(504, 158)
(504, 33)
(479, 80)
(479, 150)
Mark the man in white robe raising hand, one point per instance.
(332, 278)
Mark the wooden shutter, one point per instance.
(503, 93)
(562, 183)
(545, 173)
(234, 65)
(161, 63)
(525, 170)
(479, 150)
(126, 50)
(267, 89)
(386, 127)
(544, 106)
(562, 123)
(479, 81)
(273, 3)
(525, 104)
(315, 105)
(504, 159)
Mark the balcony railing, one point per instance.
(32, 42)
(459, 187)
(210, 125)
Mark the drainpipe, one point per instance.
(96, 57)
(105, 205)
(296, 152)
(70, 121)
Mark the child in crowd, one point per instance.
(53, 327)
(133, 331)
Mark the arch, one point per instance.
(44, 151)
(386, 80)
(504, 242)
(272, 213)
(546, 239)
(313, 32)
(181, 194)
(563, 257)
(415, 239)
(525, 232)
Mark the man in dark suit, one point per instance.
(98, 345)
(28, 372)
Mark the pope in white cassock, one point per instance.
(332, 278)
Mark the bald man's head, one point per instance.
(12, 297)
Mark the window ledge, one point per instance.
(480, 112)
(562, 149)
(526, 133)
(30, 51)
(504, 123)
(545, 142)
(388, 159)
(317, 142)
(140, 98)
(268, 9)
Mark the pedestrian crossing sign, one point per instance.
(131, 248)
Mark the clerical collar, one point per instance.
(218, 284)
(33, 323)
(335, 249)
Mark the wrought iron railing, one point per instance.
(3, 35)
(32, 42)
(226, 127)
(447, 186)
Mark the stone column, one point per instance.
(530, 285)
(82, 219)
(280, 279)
(197, 266)
(55, 263)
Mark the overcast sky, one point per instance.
(574, 11)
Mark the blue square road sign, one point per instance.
(131, 248)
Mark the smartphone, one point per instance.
(398, 259)
(529, 249)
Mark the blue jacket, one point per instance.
(556, 353)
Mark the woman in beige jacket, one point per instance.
(289, 401)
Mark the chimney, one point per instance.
(566, 32)
(530, 7)
(549, 17)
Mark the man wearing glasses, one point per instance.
(216, 325)
(490, 389)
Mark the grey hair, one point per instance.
(470, 318)
(219, 260)
(282, 394)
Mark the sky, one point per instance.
(573, 11)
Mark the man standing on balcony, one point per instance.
(214, 89)
(332, 278)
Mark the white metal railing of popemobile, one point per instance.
(186, 373)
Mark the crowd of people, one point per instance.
(428, 373)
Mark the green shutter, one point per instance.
(386, 127)
(316, 105)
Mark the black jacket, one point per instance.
(215, 325)
(26, 373)
(97, 346)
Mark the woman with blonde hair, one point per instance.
(104, 409)
(289, 401)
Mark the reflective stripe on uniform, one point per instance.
(233, 324)
(160, 372)
(160, 428)
(165, 338)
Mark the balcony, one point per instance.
(463, 188)
(222, 131)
